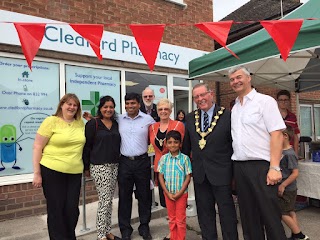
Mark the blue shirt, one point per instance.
(210, 114)
(174, 170)
(134, 134)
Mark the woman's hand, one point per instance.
(87, 173)
(37, 180)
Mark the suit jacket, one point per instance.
(214, 161)
(173, 125)
(154, 113)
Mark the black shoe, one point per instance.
(115, 238)
(165, 238)
(146, 236)
(126, 238)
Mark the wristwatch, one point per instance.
(278, 169)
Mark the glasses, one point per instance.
(200, 95)
(163, 109)
(148, 96)
(283, 100)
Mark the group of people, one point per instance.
(246, 145)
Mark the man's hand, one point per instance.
(273, 177)
(87, 116)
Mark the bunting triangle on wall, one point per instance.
(92, 33)
(148, 38)
(30, 36)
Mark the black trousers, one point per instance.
(258, 202)
(134, 172)
(207, 196)
(62, 192)
(161, 193)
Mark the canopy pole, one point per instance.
(281, 7)
(298, 108)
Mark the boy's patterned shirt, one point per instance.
(174, 170)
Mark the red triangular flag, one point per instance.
(92, 33)
(30, 36)
(218, 31)
(148, 38)
(284, 33)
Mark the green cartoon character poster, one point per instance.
(8, 143)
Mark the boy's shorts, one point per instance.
(287, 201)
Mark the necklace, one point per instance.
(202, 141)
(161, 141)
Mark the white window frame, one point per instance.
(312, 119)
(178, 2)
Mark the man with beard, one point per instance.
(147, 106)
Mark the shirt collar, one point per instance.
(177, 157)
(210, 111)
(250, 95)
(126, 115)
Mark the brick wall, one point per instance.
(227, 95)
(22, 199)
(126, 12)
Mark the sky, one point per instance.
(222, 8)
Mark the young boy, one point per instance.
(287, 190)
(174, 176)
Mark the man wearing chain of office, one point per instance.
(208, 142)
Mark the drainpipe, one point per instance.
(218, 97)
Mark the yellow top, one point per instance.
(63, 152)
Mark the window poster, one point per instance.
(159, 92)
(26, 99)
(90, 84)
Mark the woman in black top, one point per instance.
(181, 116)
(101, 155)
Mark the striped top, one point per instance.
(174, 170)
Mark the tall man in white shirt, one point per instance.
(256, 128)
(134, 167)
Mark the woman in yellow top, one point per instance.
(58, 165)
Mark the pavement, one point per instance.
(35, 227)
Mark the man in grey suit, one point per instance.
(208, 138)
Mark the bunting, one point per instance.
(218, 31)
(284, 33)
(148, 38)
(30, 36)
(92, 33)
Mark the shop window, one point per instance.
(26, 99)
(90, 84)
(137, 82)
(310, 120)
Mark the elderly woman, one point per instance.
(58, 166)
(157, 133)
